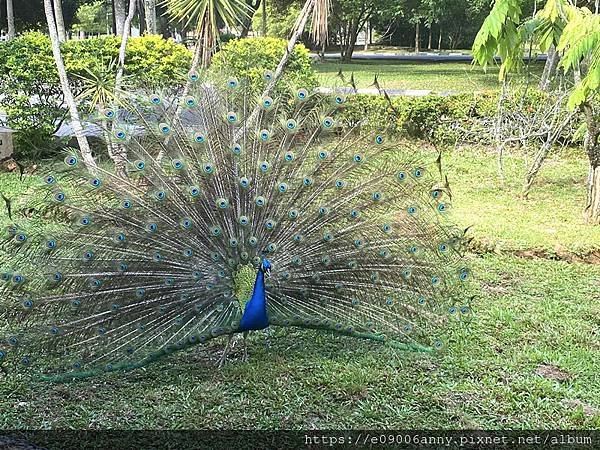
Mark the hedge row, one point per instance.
(31, 97)
(440, 119)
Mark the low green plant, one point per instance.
(31, 95)
(249, 58)
(439, 119)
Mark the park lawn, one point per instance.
(528, 359)
(549, 222)
(438, 77)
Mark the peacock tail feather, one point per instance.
(351, 223)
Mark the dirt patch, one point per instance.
(588, 410)
(552, 372)
(558, 254)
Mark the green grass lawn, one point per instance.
(529, 359)
(439, 77)
(550, 221)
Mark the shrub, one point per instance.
(435, 118)
(249, 58)
(151, 61)
(31, 94)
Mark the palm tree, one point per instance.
(119, 16)
(60, 21)
(206, 14)
(84, 146)
(10, 15)
(150, 15)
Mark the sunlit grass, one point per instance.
(439, 77)
(527, 360)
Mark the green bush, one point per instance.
(435, 118)
(151, 61)
(31, 95)
(249, 58)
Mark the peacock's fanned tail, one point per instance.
(137, 267)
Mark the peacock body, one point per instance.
(245, 206)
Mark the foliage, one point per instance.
(91, 17)
(207, 16)
(499, 34)
(207, 12)
(31, 95)
(350, 16)
(580, 41)
(456, 20)
(150, 60)
(249, 58)
(32, 98)
(280, 21)
(436, 118)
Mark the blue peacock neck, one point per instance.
(255, 312)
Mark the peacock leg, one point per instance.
(245, 357)
(225, 351)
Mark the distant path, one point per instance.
(422, 56)
(390, 92)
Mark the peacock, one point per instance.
(245, 204)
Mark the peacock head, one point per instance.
(265, 266)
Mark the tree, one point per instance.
(580, 46)
(10, 18)
(351, 16)
(150, 15)
(84, 146)
(91, 18)
(60, 21)
(575, 33)
(119, 15)
(206, 15)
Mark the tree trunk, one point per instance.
(440, 40)
(417, 36)
(366, 35)
(163, 23)
(118, 153)
(10, 18)
(592, 148)
(141, 8)
(84, 146)
(429, 40)
(351, 38)
(120, 15)
(263, 5)
(536, 165)
(150, 15)
(549, 68)
(60, 21)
